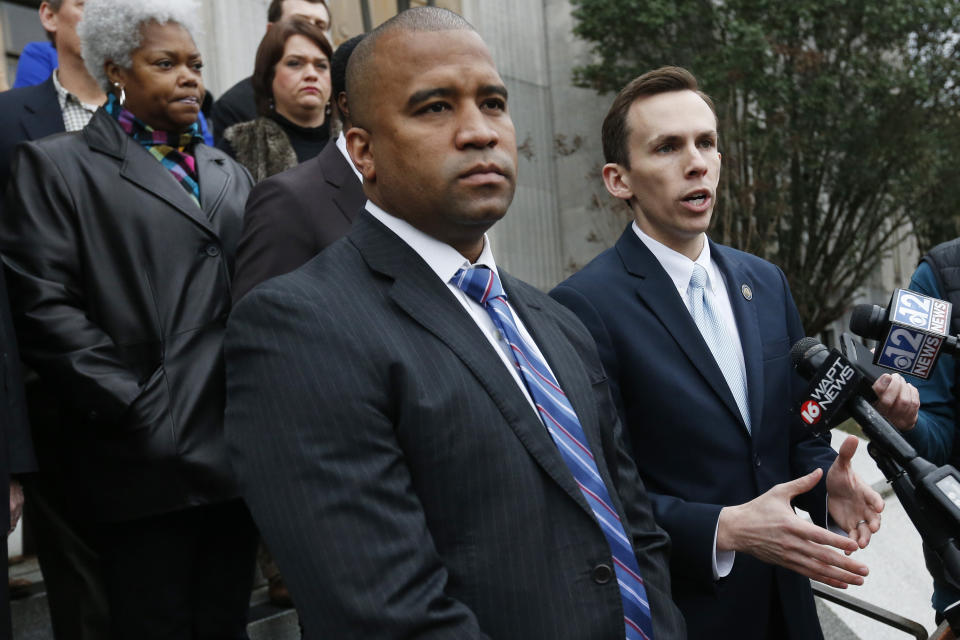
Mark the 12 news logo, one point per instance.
(917, 330)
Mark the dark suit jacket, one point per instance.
(400, 477)
(16, 449)
(120, 286)
(292, 216)
(689, 441)
(236, 105)
(29, 113)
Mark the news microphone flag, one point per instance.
(917, 328)
(832, 383)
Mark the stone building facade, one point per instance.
(561, 216)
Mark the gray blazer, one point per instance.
(399, 475)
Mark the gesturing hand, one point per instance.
(768, 529)
(853, 505)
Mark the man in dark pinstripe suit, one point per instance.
(383, 436)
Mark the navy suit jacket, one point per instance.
(29, 113)
(689, 440)
(403, 482)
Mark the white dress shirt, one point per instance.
(342, 146)
(679, 267)
(445, 261)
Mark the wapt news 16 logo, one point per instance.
(830, 388)
(918, 327)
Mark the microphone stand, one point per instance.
(938, 527)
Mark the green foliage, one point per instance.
(838, 122)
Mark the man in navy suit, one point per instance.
(65, 102)
(696, 340)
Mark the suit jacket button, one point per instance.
(93, 416)
(212, 250)
(756, 460)
(602, 574)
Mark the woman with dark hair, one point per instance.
(291, 85)
(119, 243)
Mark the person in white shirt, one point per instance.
(696, 339)
(427, 457)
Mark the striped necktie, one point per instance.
(721, 345)
(483, 285)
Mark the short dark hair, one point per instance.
(615, 131)
(338, 69)
(270, 52)
(360, 67)
(275, 10)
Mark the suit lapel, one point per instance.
(42, 116)
(748, 327)
(141, 169)
(421, 295)
(213, 179)
(348, 195)
(657, 291)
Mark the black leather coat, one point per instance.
(120, 287)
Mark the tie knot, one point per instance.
(698, 279)
(480, 283)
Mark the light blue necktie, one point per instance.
(483, 285)
(718, 339)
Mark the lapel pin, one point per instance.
(747, 292)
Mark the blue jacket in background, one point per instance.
(37, 62)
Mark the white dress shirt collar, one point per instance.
(678, 266)
(443, 259)
(342, 146)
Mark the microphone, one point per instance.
(835, 384)
(911, 333)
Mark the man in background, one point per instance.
(64, 102)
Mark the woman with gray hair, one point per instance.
(119, 245)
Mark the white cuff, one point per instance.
(832, 526)
(722, 560)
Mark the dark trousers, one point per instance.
(185, 575)
(68, 560)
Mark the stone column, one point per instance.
(528, 241)
(232, 32)
(591, 219)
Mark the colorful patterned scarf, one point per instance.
(171, 149)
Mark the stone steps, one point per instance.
(31, 615)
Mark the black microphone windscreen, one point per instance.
(867, 321)
(800, 348)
